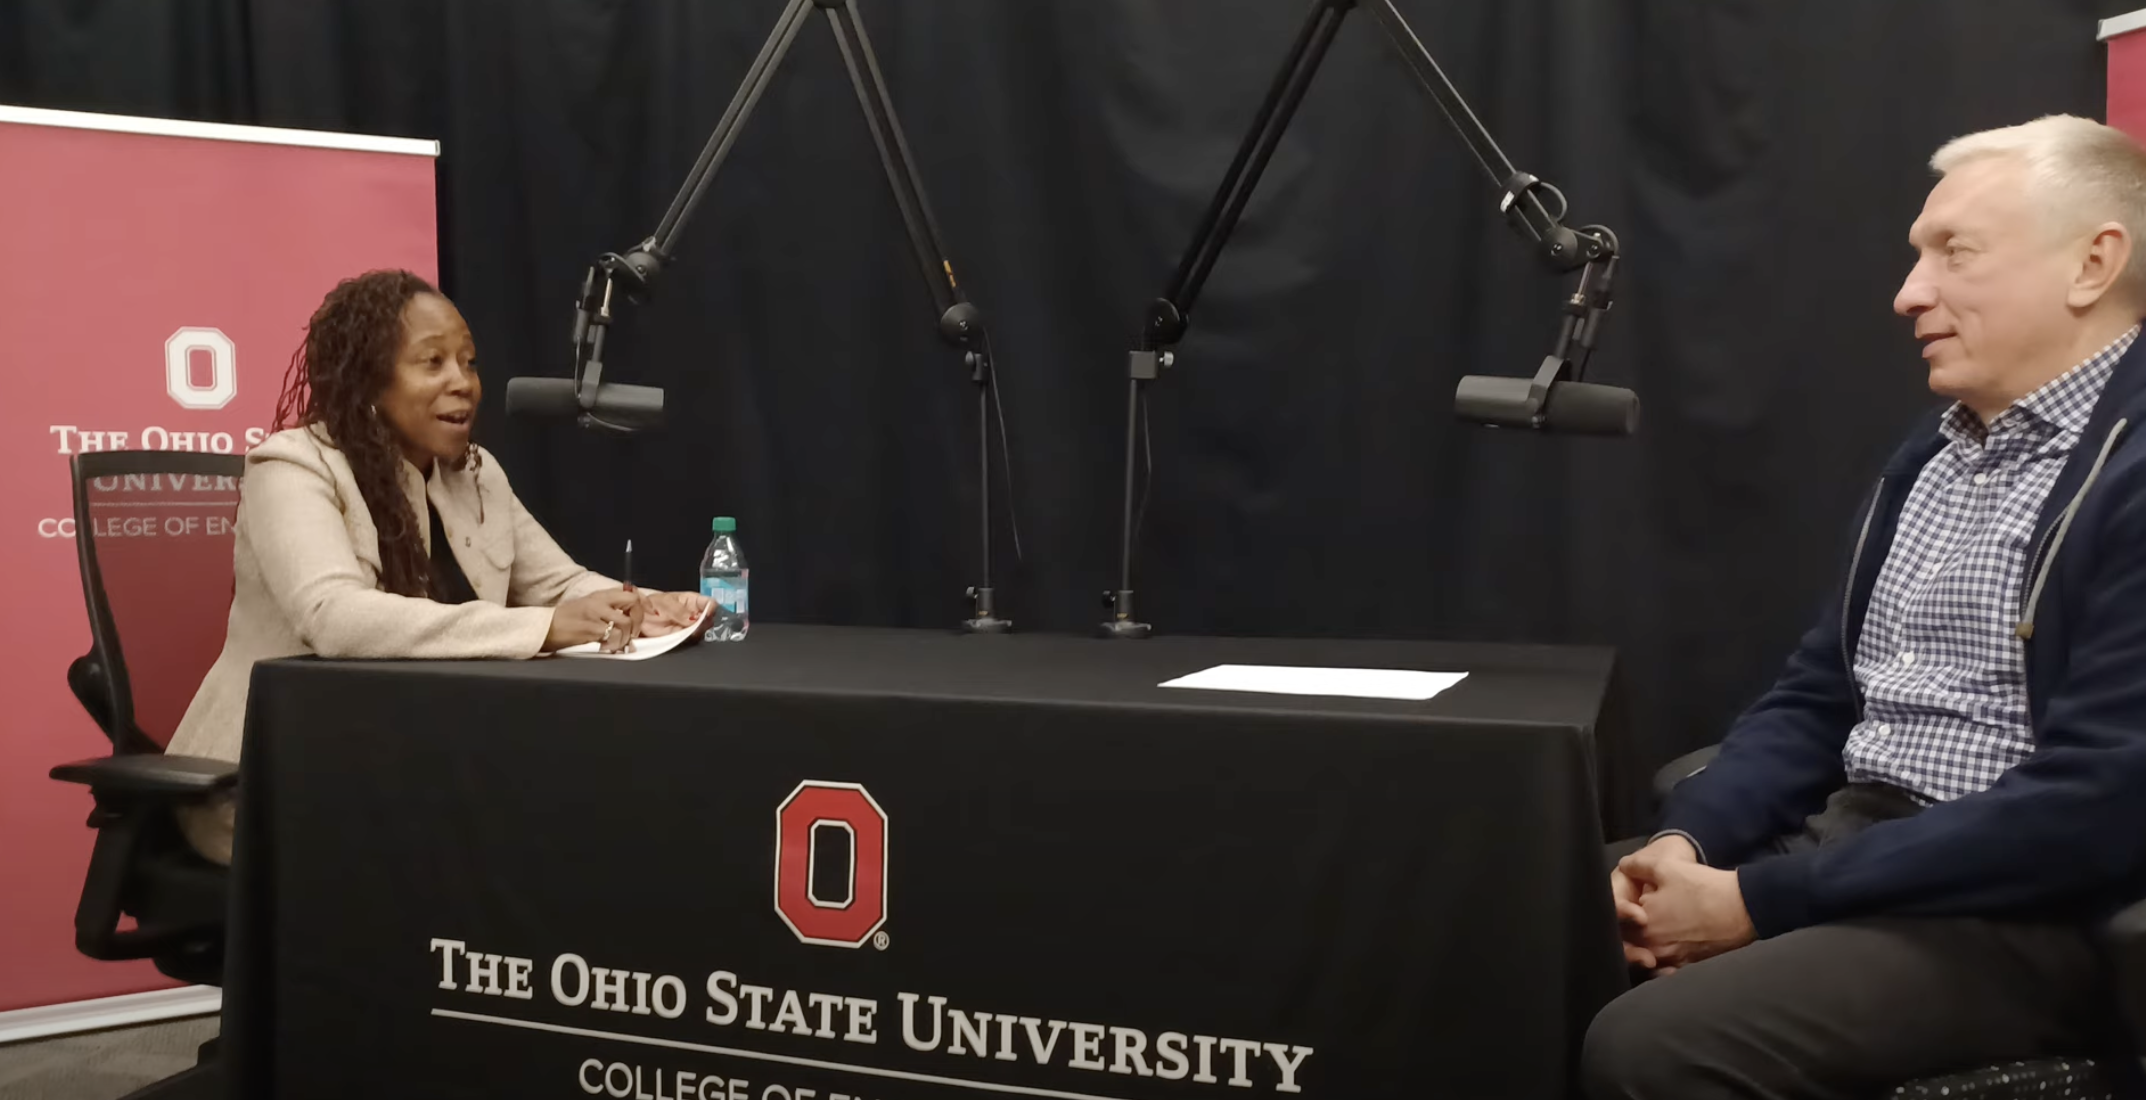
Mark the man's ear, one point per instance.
(2101, 266)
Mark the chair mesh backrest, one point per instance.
(155, 530)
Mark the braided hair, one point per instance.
(335, 379)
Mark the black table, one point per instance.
(756, 870)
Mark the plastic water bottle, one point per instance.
(723, 579)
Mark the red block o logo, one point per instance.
(844, 920)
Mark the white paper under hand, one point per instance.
(1360, 683)
(644, 648)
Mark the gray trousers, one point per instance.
(1852, 1009)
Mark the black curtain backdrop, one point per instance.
(1761, 162)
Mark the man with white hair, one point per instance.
(1894, 868)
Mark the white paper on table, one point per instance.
(1361, 683)
(644, 648)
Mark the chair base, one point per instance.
(2048, 1079)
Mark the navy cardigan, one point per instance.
(2062, 834)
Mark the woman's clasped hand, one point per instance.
(613, 618)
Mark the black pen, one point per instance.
(628, 648)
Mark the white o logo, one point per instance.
(178, 368)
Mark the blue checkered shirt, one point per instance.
(1943, 675)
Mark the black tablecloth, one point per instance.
(1118, 890)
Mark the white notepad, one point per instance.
(1360, 683)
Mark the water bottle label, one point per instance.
(728, 594)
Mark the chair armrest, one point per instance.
(151, 774)
(2125, 935)
(135, 795)
(1681, 769)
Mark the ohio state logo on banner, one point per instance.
(179, 368)
(823, 821)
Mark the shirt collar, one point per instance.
(2064, 403)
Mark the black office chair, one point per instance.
(2079, 1078)
(153, 530)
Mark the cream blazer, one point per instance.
(307, 581)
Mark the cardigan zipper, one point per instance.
(2045, 555)
(1855, 566)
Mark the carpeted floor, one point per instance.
(102, 1065)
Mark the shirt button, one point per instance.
(1907, 658)
(1884, 730)
(1982, 479)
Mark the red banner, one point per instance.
(2127, 72)
(158, 277)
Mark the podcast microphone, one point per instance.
(1547, 404)
(1555, 400)
(586, 398)
(619, 408)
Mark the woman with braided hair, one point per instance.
(370, 526)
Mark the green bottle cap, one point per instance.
(725, 525)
